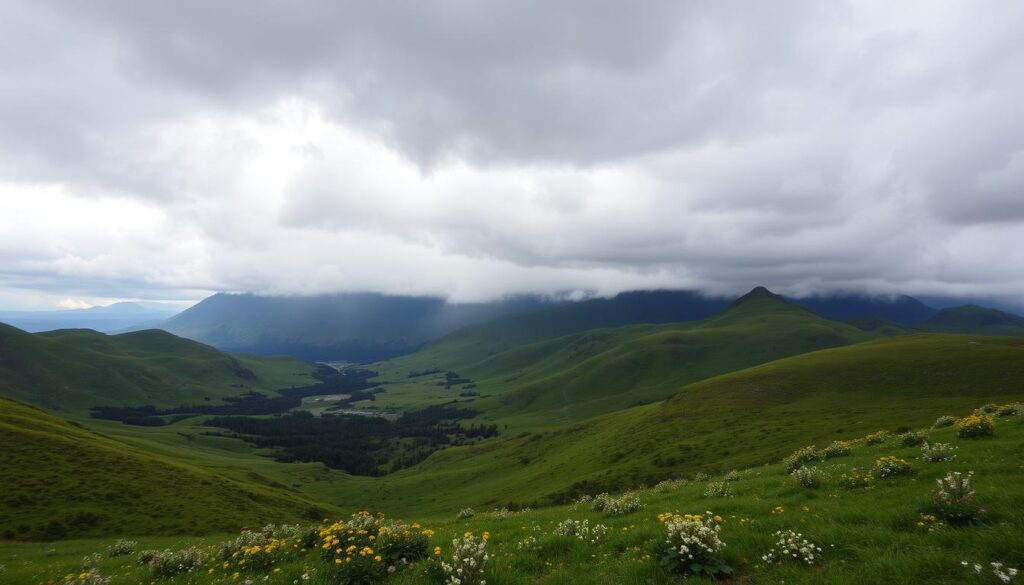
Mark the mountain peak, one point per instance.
(758, 293)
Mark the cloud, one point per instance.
(472, 150)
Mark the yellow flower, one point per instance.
(437, 551)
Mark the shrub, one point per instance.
(582, 530)
(801, 456)
(937, 452)
(929, 523)
(718, 489)
(122, 548)
(989, 408)
(668, 485)
(857, 478)
(791, 545)
(361, 549)
(145, 556)
(1010, 410)
(468, 561)
(808, 477)
(733, 475)
(501, 513)
(167, 563)
(877, 438)
(837, 449)
(975, 425)
(701, 476)
(913, 438)
(465, 513)
(890, 466)
(953, 499)
(694, 544)
(945, 421)
(616, 505)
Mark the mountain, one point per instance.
(352, 327)
(75, 369)
(900, 309)
(731, 421)
(63, 481)
(975, 319)
(109, 319)
(569, 378)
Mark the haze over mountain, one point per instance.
(107, 319)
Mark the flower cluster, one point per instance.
(857, 478)
(122, 548)
(1003, 575)
(877, 438)
(953, 498)
(582, 530)
(937, 452)
(913, 438)
(465, 513)
(668, 485)
(718, 489)
(166, 563)
(468, 562)
(929, 523)
(791, 545)
(616, 505)
(945, 421)
(890, 466)
(694, 543)
(837, 449)
(808, 477)
(975, 425)
(86, 577)
(528, 543)
(801, 456)
(365, 547)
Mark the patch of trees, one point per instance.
(360, 445)
(352, 381)
(426, 372)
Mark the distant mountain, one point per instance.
(900, 309)
(109, 319)
(350, 326)
(975, 319)
(72, 370)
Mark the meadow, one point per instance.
(873, 521)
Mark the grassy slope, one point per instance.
(60, 479)
(868, 536)
(975, 319)
(69, 371)
(730, 421)
(571, 378)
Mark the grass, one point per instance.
(69, 371)
(868, 536)
(61, 480)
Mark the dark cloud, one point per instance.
(482, 148)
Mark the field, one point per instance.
(867, 535)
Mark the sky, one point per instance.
(169, 150)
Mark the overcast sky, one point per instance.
(169, 150)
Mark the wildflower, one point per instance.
(792, 545)
(975, 425)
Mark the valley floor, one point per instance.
(873, 534)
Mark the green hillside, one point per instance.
(975, 319)
(730, 421)
(60, 480)
(578, 376)
(69, 371)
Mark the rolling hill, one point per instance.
(61, 480)
(69, 371)
(109, 319)
(976, 319)
(730, 421)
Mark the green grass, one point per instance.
(868, 536)
(555, 382)
(69, 371)
(731, 421)
(61, 480)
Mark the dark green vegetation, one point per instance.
(866, 535)
(73, 370)
(61, 480)
(975, 319)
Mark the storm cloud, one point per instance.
(479, 149)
